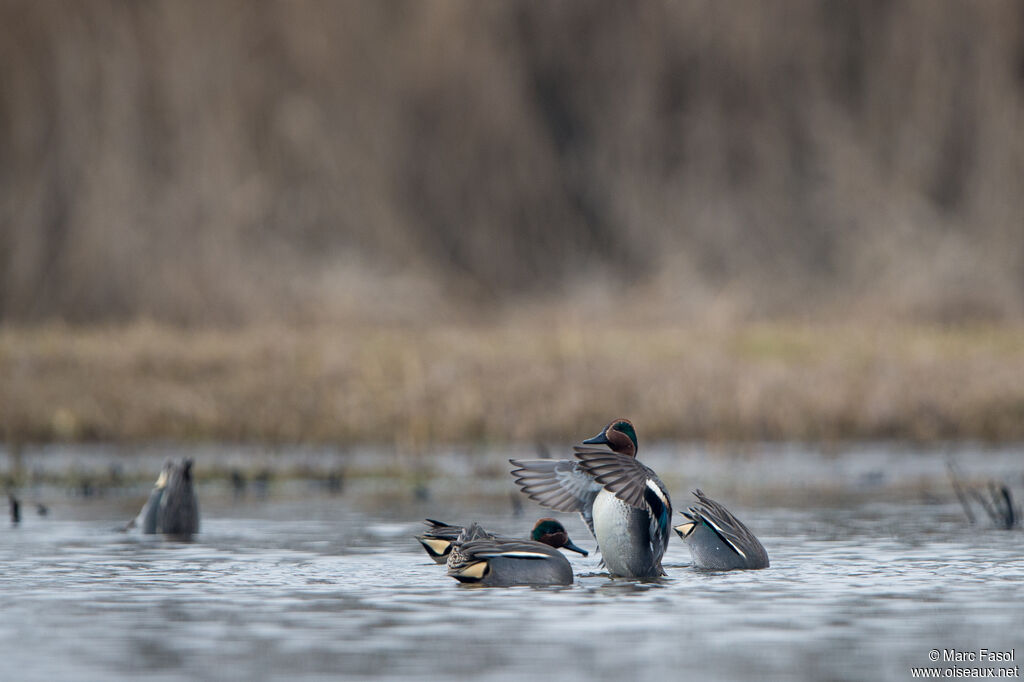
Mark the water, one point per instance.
(869, 574)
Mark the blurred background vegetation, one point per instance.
(223, 162)
(232, 164)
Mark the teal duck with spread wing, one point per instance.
(623, 502)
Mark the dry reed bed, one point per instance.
(417, 387)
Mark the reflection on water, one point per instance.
(306, 584)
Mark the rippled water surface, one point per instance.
(873, 566)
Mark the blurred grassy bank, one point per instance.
(415, 387)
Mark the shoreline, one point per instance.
(417, 387)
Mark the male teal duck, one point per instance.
(623, 502)
(172, 508)
(480, 558)
(440, 537)
(718, 541)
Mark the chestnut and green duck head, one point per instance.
(553, 533)
(619, 436)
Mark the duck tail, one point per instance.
(685, 529)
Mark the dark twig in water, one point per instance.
(238, 483)
(958, 488)
(985, 504)
(995, 498)
(1012, 512)
(1002, 501)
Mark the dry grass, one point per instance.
(418, 387)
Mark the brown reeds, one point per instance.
(510, 221)
(418, 387)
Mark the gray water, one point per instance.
(873, 566)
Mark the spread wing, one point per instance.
(623, 475)
(559, 484)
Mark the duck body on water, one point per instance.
(172, 508)
(717, 540)
(480, 558)
(623, 502)
(623, 534)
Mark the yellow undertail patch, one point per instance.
(685, 529)
(436, 545)
(475, 571)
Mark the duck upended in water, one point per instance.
(480, 558)
(623, 502)
(146, 520)
(439, 539)
(172, 507)
(718, 540)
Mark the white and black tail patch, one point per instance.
(473, 573)
(685, 529)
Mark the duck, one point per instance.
(478, 557)
(439, 538)
(623, 502)
(172, 507)
(178, 515)
(146, 520)
(717, 540)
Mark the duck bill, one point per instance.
(599, 439)
(570, 546)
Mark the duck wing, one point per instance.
(490, 548)
(558, 484)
